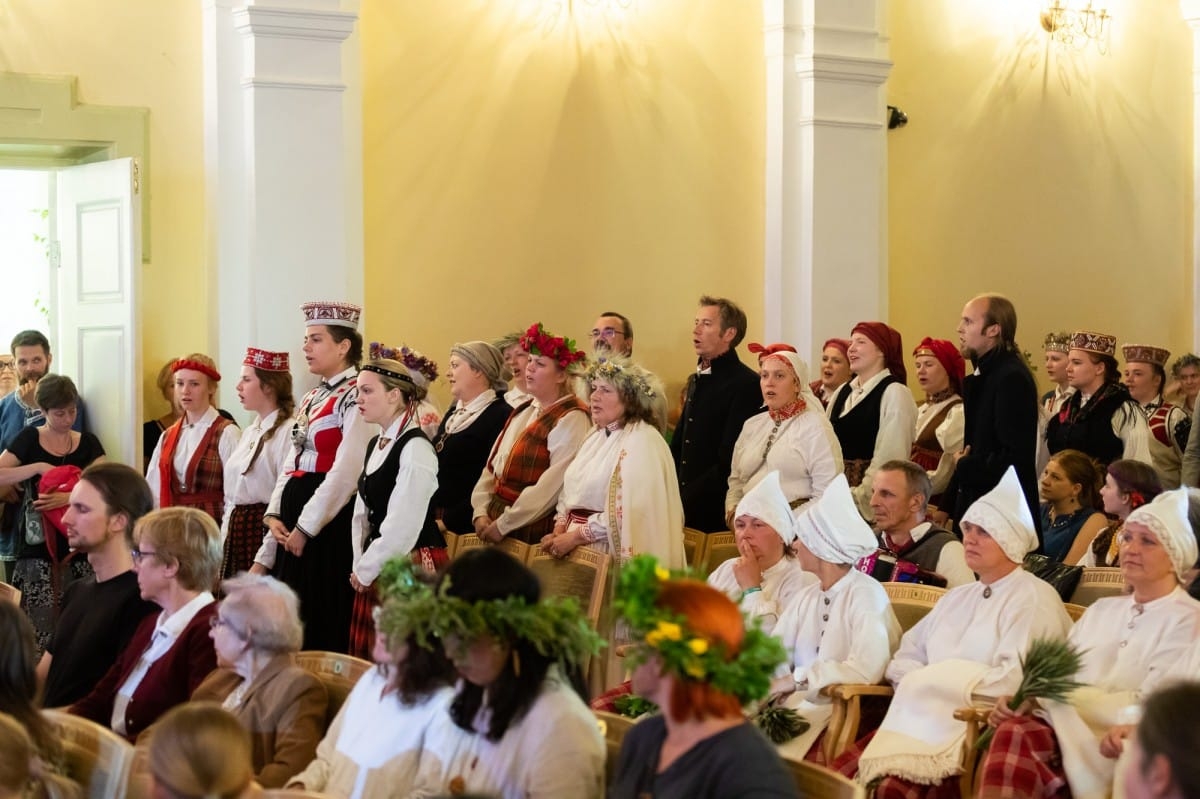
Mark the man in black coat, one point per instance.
(721, 396)
(1000, 406)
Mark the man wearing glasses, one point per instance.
(612, 334)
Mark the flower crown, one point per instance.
(407, 356)
(691, 656)
(537, 341)
(612, 370)
(555, 626)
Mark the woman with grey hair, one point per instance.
(478, 378)
(255, 631)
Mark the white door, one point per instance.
(99, 270)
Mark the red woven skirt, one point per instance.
(362, 622)
(246, 531)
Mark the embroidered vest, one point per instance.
(926, 450)
(317, 427)
(376, 488)
(204, 478)
(530, 454)
(1090, 429)
(926, 552)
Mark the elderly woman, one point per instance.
(200, 750)
(1070, 520)
(265, 389)
(835, 370)
(1127, 643)
(518, 725)
(1169, 425)
(765, 577)
(311, 508)
(516, 358)
(700, 664)
(1128, 485)
(873, 415)
(255, 631)
(1100, 419)
(177, 553)
(188, 464)
(841, 627)
(939, 429)
(478, 378)
(518, 490)
(46, 566)
(392, 513)
(792, 436)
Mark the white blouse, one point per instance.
(247, 484)
(189, 441)
(897, 423)
(805, 451)
(781, 584)
(949, 435)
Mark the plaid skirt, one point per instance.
(1023, 760)
(362, 622)
(246, 530)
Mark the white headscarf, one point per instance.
(767, 501)
(801, 369)
(1005, 515)
(1167, 517)
(832, 528)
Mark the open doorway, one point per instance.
(27, 300)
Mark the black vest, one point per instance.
(376, 489)
(857, 430)
(1091, 432)
(926, 552)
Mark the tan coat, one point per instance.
(284, 712)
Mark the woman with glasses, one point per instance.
(176, 554)
(255, 631)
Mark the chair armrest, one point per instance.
(847, 691)
(847, 714)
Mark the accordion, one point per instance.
(885, 567)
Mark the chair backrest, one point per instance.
(695, 546)
(96, 757)
(518, 549)
(1098, 582)
(337, 672)
(911, 601)
(1073, 610)
(10, 593)
(720, 547)
(451, 543)
(613, 727)
(814, 780)
(583, 574)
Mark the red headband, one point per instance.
(764, 350)
(196, 366)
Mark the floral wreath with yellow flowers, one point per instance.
(746, 675)
(614, 370)
(538, 341)
(556, 627)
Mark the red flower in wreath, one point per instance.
(537, 341)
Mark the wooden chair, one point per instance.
(1073, 610)
(583, 575)
(9, 593)
(96, 757)
(814, 780)
(613, 727)
(518, 549)
(976, 718)
(1097, 582)
(138, 784)
(912, 601)
(695, 546)
(451, 543)
(719, 548)
(337, 672)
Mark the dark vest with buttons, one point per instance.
(857, 430)
(376, 489)
(1092, 430)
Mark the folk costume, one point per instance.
(1055, 398)
(939, 428)
(313, 495)
(797, 441)
(250, 476)
(933, 549)
(818, 388)
(1169, 424)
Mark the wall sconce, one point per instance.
(1077, 27)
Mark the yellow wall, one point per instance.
(522, 166)
(147, 54)
(1059, 178)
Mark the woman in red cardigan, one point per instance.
(177, 554)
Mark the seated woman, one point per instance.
(873, 415)
(939, 428)
(255, 631)
(478, 379)
(177, 553)
(700, 664)
(392, 514)
(1128, 485)
(188, 465)
(1070, 520)
(835, 370)
(970, 643)
(373, 747)
(46, 566)
(518, 490)
(1128, 645)
(1163, 756)
(1100, 419)
(518, 725)
(200, 750)
(1169, 424)
(765, 578)
(792, 436)
(840, 629)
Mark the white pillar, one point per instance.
(283, 169)
(1191, 14)
(826, 169)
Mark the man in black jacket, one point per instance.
(1000, 406)
(721, 396)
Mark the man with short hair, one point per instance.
(612, 334)
(1000, 407)
(721, 395)
(900, 500)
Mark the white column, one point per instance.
(283, 169)
(1191, 14)
(826, 169)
